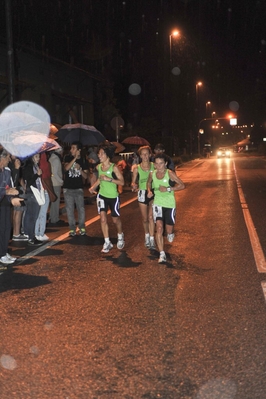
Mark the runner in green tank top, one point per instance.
(164, 183)
(140, 174)
(109, 177)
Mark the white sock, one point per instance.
(107, 240)
(147, 235)
(120, 236)
(162, 253)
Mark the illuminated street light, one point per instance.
(175, 33)
(208, 103)
(198, 84)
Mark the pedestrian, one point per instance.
(31, 173)
(17, 211)
(122, 165)
(164, 182)
(7, 198)
(76, 171)
(160, 149)
(49, 195)
(109, 177)
(93, 161)
(55, 160)
(140, 174)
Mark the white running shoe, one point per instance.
(10, 257)
(120, 242)
(147, 242)
(6, 261)
(43, 238)
(162, 258)
(152, 243)
(106, 247)
(170, 237)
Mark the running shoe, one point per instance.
(6, 261)
(121, 242)
(82, 232)
(10, 257)
(106, 247)
(20, 237)
(72, 233)
(170, 237)
(42, 238)
(162, 258)
(152, 243)
(34, 242)
(147, 242)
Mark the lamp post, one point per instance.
(175, 33)
(208, 103)
(198, 84)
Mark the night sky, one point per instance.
(222, 43)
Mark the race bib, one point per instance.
(100, 204)
(157, 212)
(141, 195)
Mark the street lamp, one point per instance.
(208, 103)
(175, 33)
(198, 84)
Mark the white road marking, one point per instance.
(253, 236)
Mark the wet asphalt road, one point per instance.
(76, 323)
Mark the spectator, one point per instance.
(76, 169)
(7, 193)
(18, 211)
(31, 173)
(159, 149)
(57, 181)
(49, 195)
(93, 161)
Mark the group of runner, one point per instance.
(155, 185)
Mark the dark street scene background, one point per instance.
(191, 74)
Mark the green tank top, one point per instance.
(143, 176)
(107, 189)
(165, 199)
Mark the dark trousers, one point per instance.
(5, 228)
(31, 215)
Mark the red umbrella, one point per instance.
(136, 140)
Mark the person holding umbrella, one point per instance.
(109, 177)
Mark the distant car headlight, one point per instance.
(228, 153)
(219, 153)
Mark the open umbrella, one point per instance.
(136, 140)
(53, 131)
(86, 134)
(49, 145)
(27, 143)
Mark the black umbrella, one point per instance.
(86, 134)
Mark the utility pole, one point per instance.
(10, 53)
